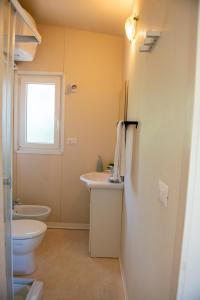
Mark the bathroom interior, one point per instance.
(98, 110)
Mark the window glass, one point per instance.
(40, 113)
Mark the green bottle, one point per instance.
(99, 167)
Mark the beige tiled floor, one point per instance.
(68, 273)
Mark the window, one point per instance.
(38, 113)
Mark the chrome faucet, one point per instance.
(110, 168)
(17, 202)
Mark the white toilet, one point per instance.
(26, 236)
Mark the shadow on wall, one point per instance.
(132, 156)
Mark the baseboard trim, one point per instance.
(123, 280)
(59, 225)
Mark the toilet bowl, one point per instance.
(26, 236)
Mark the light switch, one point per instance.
(163, 192)
(71, 140)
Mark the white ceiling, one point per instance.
(106, 16)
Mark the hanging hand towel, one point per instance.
(119, 161)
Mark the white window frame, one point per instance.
(21, 145)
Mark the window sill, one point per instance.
(39, 151)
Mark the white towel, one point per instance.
(119, 161)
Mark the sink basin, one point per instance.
(97, 180)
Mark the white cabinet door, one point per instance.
(105, 222)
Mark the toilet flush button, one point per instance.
(163, 192)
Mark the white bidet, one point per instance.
(34, 212)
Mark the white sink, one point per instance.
(97, 180)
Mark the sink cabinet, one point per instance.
(105, 222)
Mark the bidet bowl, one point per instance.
(34, 212)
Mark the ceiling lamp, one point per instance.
(130, 27)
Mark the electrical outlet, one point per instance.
(163, 192)
(71, 140)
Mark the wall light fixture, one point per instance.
(130, 27)
(150, 40)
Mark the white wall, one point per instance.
(189, 287)
(161, 99)
(93, 61)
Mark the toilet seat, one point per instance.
(27, 229)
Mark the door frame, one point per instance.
(3, 276)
